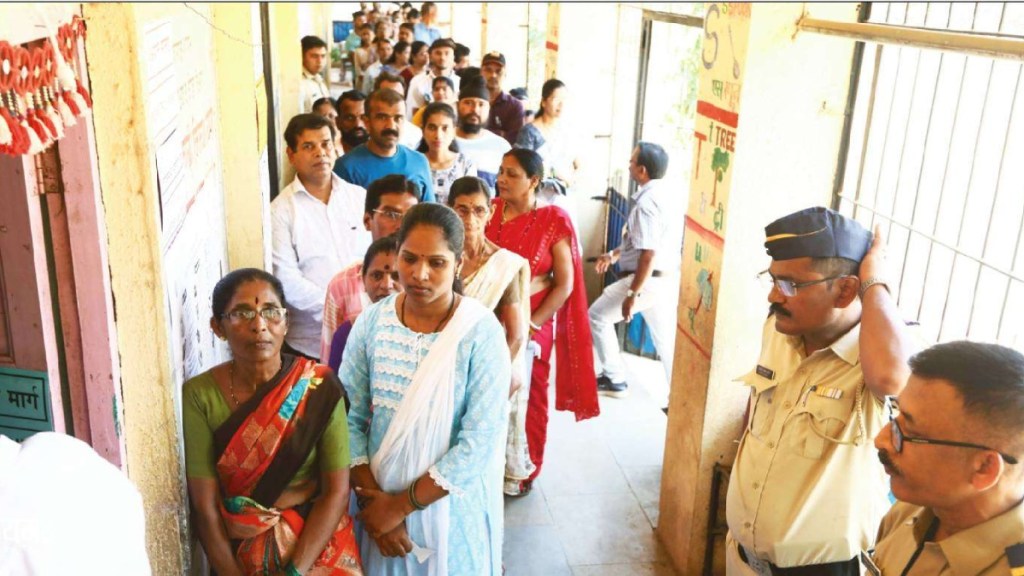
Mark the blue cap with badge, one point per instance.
(816, 233)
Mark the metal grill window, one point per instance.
(936, 157)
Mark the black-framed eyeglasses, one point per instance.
(898, 438)
(271, 315)
(788, 288)
(390, 214)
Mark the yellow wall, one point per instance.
(128, 189)
(238, 90)
(125, 157)
(787, 146)
(285, 38)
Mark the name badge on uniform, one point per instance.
(827, 392)
(765, 372)
(1015, 558)
(868, 563)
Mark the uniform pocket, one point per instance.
(821, 423)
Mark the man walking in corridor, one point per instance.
(648, 271)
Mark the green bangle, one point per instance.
(291, 570)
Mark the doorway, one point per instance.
(670, 48)
(670, 55)
(58, 358)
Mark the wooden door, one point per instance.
(30, 398)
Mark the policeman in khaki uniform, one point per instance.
(953, 452)
(806, 492)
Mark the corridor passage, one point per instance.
(595, 505)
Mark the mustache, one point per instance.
(886, 461)
(778, 309)
(390, 133)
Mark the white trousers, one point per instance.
(657, 303)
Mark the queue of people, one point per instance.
(389, 381)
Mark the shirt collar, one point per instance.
(973, 550)
(650, 185)
(847, 346)
(452, 74)
(306, 74)
(335, 186)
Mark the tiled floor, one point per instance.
(594, 506)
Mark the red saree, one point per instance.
(261, 447)
(532, 235)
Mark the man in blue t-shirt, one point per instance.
(382, 154)
(425, 30)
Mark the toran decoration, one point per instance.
(40, 94)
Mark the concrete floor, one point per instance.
(595, 505)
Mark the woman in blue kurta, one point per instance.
(427, 374)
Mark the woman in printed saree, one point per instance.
(266, 445)
(545, 237)
(500, 280)
(428, 374)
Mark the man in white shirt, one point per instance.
(649, 260)
(65, 510)
(411, 133)
(442, 63)
(384, 51)
(483, 147)
(317, 229)
(312, 86)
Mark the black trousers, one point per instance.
(847, 568)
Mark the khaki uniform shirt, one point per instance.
(979, 551)
(807, 486)
(311, 88)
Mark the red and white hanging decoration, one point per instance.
(40, 94)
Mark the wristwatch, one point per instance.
(631, 294)
(871, 282)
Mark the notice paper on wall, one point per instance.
(182, 124)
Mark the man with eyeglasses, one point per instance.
(952, 454)
(387, 201)
(806, 492)
(315, 230)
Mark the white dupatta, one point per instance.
(420, 434)
(488, 285)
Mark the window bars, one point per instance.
(936, 157)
